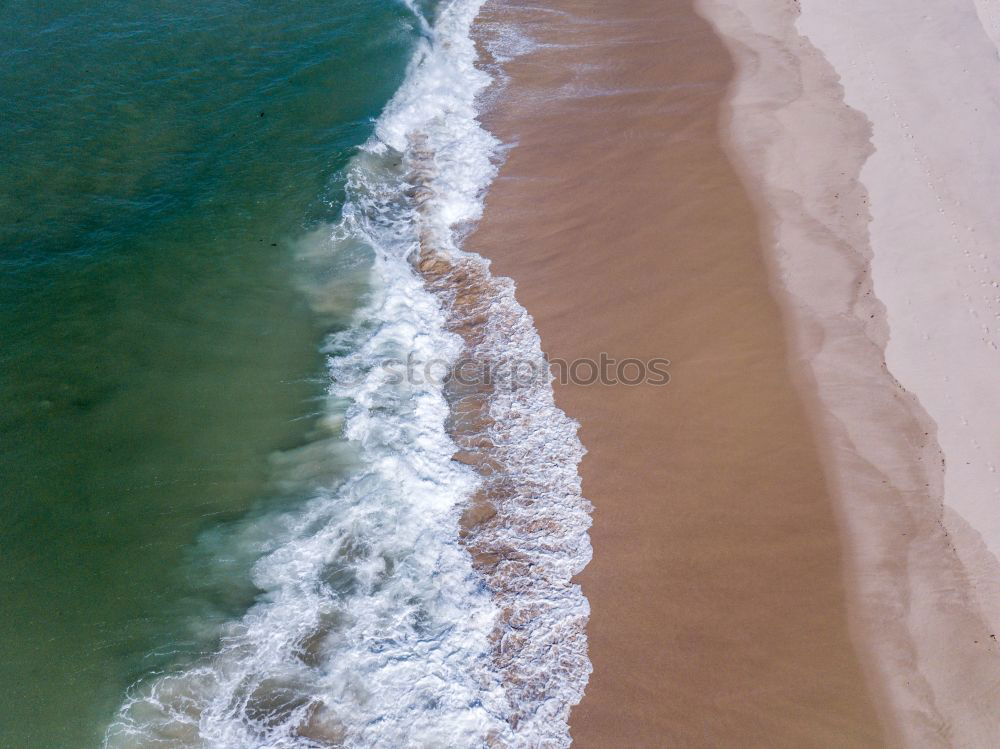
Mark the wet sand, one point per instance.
(717, 587)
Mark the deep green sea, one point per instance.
(161, 166)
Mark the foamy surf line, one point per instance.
(426, 599)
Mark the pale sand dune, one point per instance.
(933, 93)
(895, 322)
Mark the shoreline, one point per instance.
(719, 611)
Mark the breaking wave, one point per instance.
(423, 597)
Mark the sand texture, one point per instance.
(719, 607)
(866, 135)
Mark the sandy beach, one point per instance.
(794, 541)
(872, 168)
(719, 609)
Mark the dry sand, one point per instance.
(872, 214)
(719, 608)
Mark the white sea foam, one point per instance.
(373, 629)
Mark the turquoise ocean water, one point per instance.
(161, 165)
